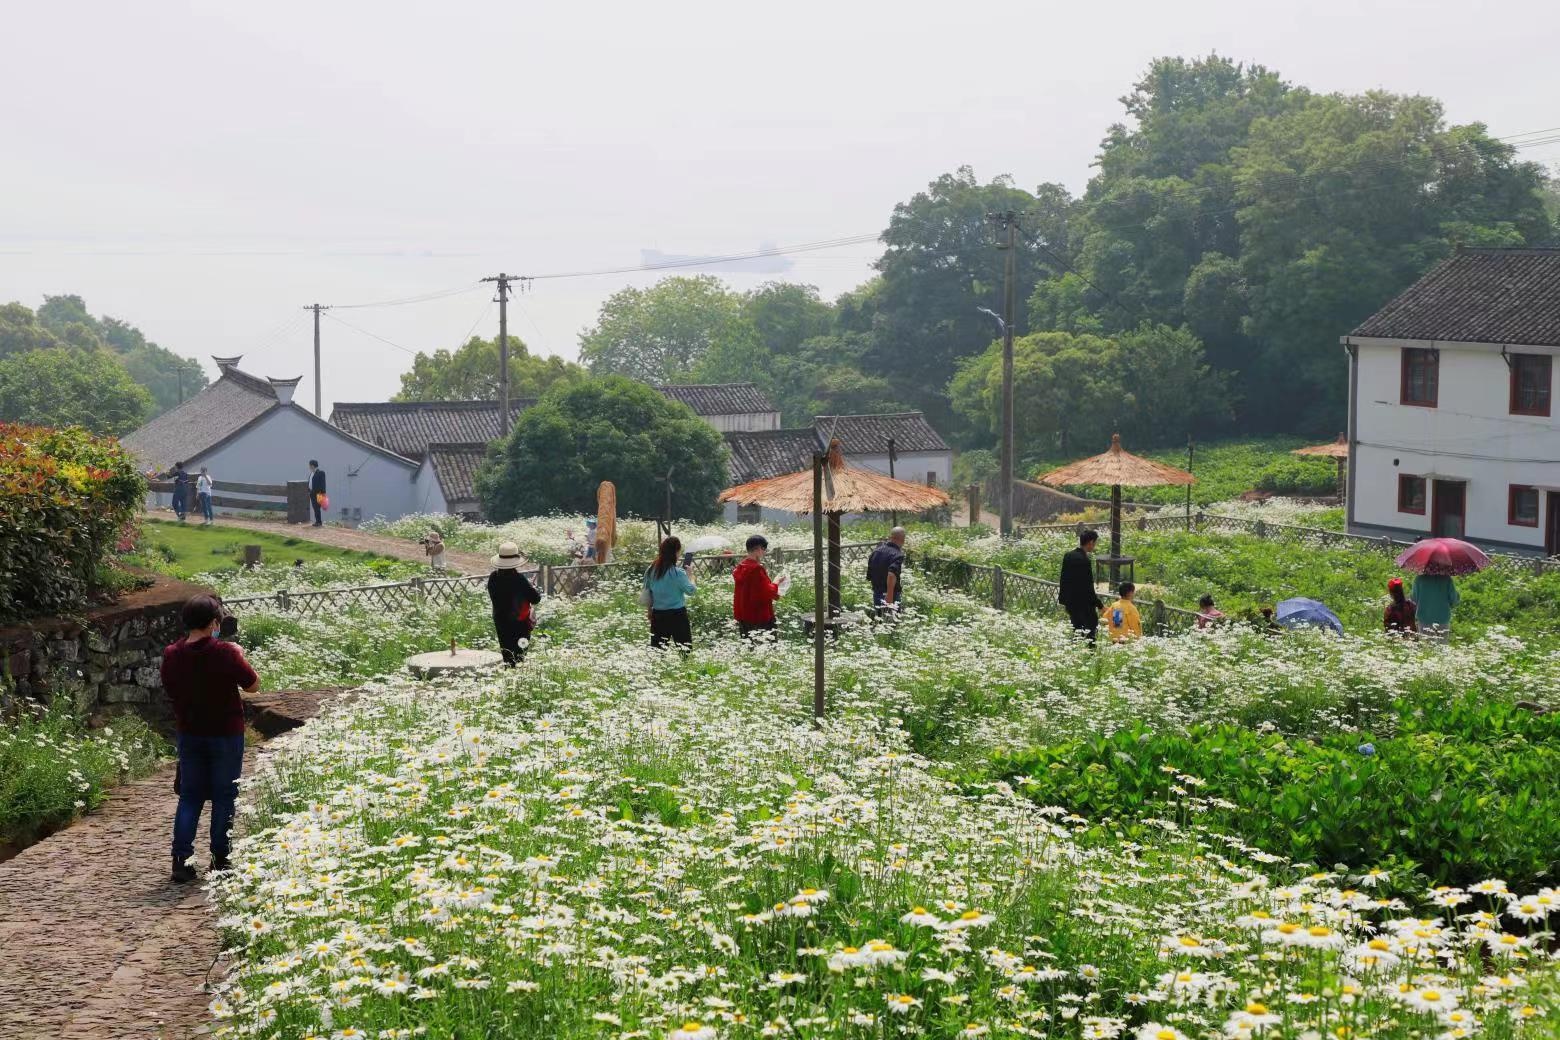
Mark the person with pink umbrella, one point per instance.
(1437, 561)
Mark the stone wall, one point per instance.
(107, 661)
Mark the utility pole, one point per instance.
(503, 280)
(1009, 221)
(319, 396)
(893, 456)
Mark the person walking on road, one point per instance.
(1075, 587)
(754, 595)
(204, 677)
(317, 491)
(885, 571)
(181, 491)
(665, 595)
(513, 598)
(203, 496)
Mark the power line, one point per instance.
(371, 335)
(438, 294)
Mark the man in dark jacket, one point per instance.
(885, 570)
(1076, 593)
(316, 490)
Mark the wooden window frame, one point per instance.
(1516, 362)
(1512, 491)
(1432, 356)
(1402, 500)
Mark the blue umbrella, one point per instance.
(1301, 612)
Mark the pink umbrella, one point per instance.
(1450, 556)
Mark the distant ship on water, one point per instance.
(764, 260)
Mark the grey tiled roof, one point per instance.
(1478, 296)
(409, 427)
(456, 465)
(219, 411)
(719, 398)
(761, 454)
(869, 434)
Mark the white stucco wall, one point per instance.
(911, 466)
(746, 422)
(1469, 434)
(427, 496)
(278, 449)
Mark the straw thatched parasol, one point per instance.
(849, 489)
(1119, 469)
(831, 488)
(1337, 450)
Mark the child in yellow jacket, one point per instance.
(1121, 617)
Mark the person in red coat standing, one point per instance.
(753, 601)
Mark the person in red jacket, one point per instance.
(753, 601)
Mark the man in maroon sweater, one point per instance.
(204, 676)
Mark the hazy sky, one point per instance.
(203, 170)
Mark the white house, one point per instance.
(1452, 429)
(245, 429)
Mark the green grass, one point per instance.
(185, 550)
(1225, 470)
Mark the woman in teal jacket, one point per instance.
(669, 586)
(1435, 595)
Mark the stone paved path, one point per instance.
(95, 942)
(348, 538)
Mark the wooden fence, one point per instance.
(255, 498)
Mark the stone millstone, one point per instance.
(446, 662)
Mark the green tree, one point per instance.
(662, 334)
(20, 331)
(470, 373)
(59, 388)
(609, 428)
(940, 263)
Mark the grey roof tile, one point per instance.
(409, 427)
(869, 434)
(1478, 296)
(455, 466)
(719, 398)
(219, 411)
(761, 454)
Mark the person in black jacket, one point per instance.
(513, 596)
(1076, 593)
(316, 490)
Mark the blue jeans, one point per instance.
(205, 505)
(208, 772)
(180, 504)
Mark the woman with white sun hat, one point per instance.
(513, 597)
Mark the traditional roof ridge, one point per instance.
(409, 405)
(1506, 296)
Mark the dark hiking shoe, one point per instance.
(220, 863)
(183, 873)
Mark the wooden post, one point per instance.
(251, 557)
(284, 600)
(1115, 535)
(834, 565)
(818, 590)
(1160, 617)
(1261, 529)
(972, 493)
(998, 589)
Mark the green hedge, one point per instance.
(1460, 792)
(65, 496)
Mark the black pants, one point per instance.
(314, 500)
(1085, 622)
(510, 632)
(670, 626)
(747, 628)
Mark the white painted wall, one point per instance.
(746, 422)
(427, 496)
(911, 466)
(278, 449)
(1470, 433)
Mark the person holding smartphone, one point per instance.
(667, 587)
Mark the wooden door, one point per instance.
(1448, 512)
(1552, 525)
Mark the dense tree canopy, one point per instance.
(662, 334)
(63, 322)
(608, 428)
(69, 387)
(1073, 390)
(470, 373)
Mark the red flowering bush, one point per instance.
(64, 497)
